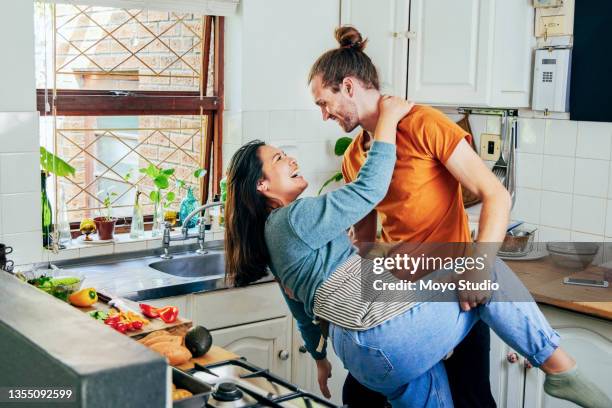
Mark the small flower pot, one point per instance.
(106, 228)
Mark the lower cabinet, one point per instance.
(266, 344)
(304, 369)
(589, 340)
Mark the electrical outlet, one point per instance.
(490, 146)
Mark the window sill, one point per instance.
(123, 243)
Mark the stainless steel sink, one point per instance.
(211, 265)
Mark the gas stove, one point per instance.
(239, 384)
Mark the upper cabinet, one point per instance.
(448, 52)
(385, 24)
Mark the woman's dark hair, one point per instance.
(246, 211)
(346, 60)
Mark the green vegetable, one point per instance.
(99, 314)
(64, 281)
(198, 340)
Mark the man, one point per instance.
(424, 202)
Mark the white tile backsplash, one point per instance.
(547, 234)
(582, 237)
(529, 170)
(588, 215)
(27, 165)
(527, 206)
(19, 132)
(556, 209)
(558, 173)
(560, 137)
(282, 126)
(27, 246)
(591, 177)
(594, 140)
(531, 135)
(21, 212)
(256, 125)
(608, 231)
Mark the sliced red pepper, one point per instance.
(112, 320)
(137, 325)
(168, 314)
(121, 327)
(149, 311)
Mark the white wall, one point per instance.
(271, 46)
(20, 214)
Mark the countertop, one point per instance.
(544, 280)
(129, 275)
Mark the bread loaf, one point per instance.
(175, 353)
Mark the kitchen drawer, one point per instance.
(232, 307)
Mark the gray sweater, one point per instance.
(307, 240)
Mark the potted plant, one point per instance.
(161, 181)
(106, 223)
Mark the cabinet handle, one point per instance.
(512, 358)
(527, 364)
(283, 355)
(302, 349)
(404, 34)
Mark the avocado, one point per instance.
(198, 340)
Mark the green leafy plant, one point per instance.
(107, 203)
(51, 163)
(339, 148)
(197, 174)
(161, 181)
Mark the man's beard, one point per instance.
(350, 119)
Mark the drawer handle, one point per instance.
(512, 358)
(283, 355)
(303, 349)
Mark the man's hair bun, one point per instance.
(349, 37)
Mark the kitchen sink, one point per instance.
(211, 265)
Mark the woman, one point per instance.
(305, 244)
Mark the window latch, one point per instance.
(120, 93)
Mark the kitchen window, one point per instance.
(120, 89)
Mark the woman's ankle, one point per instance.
(559, 362)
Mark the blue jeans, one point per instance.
(401, 358)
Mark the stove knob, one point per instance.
(283, 355)
(303, 349)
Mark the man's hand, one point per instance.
(324, 369)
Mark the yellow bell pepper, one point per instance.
(84, 297)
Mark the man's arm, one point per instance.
(472, 173)
(363, 233)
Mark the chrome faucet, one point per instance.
(185, 231)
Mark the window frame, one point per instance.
(83, 102)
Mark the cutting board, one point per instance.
(214, 355)
(180, 325)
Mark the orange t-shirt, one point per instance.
(424, 202)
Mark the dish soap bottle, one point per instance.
(137, 226)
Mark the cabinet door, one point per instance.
(507, 375)
(589, 341)
(266, 344)
(304, 369)
(385, 24)
(450, 54)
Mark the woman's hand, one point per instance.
(324, 369)
(391, 109)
